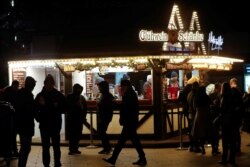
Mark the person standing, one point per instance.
(239, 110)
(9, 95)
(193, 146)
(215, 114)
(202, 125)
(129, 113)
(104, 115)
(51, 105)
(25, 117)
(76, 116)
(229, 125)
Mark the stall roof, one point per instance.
(193, 61)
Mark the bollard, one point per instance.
(91, 131)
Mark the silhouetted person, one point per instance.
(192, 111)
(239, 109)
(246, 117)
(9, 95)
(129, 113)
(104, 115)
(25, 117)
(51, 104)
(215, 113)
(183, 95)
(76, 116)
(202, 125)
(229, 125)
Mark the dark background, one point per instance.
(110, 25)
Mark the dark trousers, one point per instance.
(238, 141)
(228, 143)
(75, 133)
(215, 139)
(46, 135)
(102, 129)
(25, 142)
(13, 140)
(128, 133)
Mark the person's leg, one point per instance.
(238, 141)
(118, 147)
(225, 143)
(14, 143)
(232, 146)
(45, 137)
(72, 140)
(137, 144)
(56, 148)
(79, 135)
(104, 137)
(25, 142)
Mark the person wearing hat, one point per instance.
(50, 104)
(129, 113)
(24, 118)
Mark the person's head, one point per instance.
(77, 89)
(125, 86)
(188, 75)
(98, 80)
(125, 77)
(149, 78)
(49, 82)
(103, 87)
(195, 86)
(217, 87)
(233, 82)
(30, 83)
(225, 89)
(15, 84)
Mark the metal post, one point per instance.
(91, 131)
(180, 131)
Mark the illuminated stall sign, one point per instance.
(19, 74)
(190, 36)
(150, 36)
(216, 43)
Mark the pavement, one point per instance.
(156, 157)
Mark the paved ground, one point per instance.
(157, 157)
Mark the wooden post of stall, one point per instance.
(159, 119)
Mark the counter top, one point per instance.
(143, 103)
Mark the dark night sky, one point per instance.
(90, 25)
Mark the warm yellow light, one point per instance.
(103, 61)
(122, 61)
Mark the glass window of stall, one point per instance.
(174, 81)
(141, 82)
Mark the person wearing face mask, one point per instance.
(76, 116)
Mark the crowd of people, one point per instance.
(47, 108)
(215, 111)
